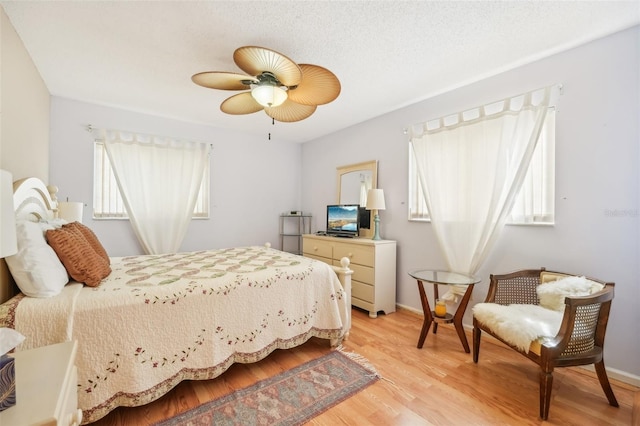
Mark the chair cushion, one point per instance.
(546, 276)
(553, 292)
(518, 325)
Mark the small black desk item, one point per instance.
(443, 278)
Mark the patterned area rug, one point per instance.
(290, 398)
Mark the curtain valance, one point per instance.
(512, 105)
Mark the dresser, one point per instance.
(373, 283)
(46, 387)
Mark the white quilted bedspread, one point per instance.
(160, 319)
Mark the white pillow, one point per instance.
(553, 293)
(36, 267)
(51, 224)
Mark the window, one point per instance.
(417, 205)
(107, 202)
(535, 201)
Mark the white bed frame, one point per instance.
(35, 201)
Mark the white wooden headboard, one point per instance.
(34, 201)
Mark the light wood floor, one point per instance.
(436, 385)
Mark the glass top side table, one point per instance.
(443, 278)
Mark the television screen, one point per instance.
(343, 220)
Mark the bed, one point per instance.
(156, 320)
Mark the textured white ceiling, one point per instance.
(140, 55)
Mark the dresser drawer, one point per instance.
(321, 259)
(364, 274)
(358, 254)
(317, 248)
(362, 291)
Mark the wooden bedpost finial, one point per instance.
(344, 262)
(53, 190)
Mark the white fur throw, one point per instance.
(519, 325)
(552, 294)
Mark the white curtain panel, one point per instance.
(159, 179)
(471, 166)
(363, 191)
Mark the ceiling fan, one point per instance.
(286, 91)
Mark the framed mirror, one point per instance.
(354, 180)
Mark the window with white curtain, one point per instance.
(535, 201)
(107, 202)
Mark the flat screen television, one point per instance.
(343, 220)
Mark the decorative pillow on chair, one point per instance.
(83, 263)
(553, 293)
(35, 267)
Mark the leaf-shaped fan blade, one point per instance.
(255, 60)
(222, 80)
(242, 103)
(290, 111)
(319, 86)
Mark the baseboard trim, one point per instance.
(410, 309)
(613, 373)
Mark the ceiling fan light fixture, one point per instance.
(269, 95)
(276, 85)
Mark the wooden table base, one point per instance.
(456, 318)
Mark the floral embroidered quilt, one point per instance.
(159, 319)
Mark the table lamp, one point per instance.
(375, 201)
(70, 211)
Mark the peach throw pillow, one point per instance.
(81, 260)
(92, 239)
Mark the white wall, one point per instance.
(597, 180)
(252, 180)
(24, 117)
(24, 106)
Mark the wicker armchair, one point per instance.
(579, 341)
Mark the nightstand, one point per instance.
(46, 387)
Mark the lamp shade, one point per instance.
(269, 95)
(8, 240)
(70, 211)
(375, 199)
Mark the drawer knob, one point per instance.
(315, 248)
(350, 255)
